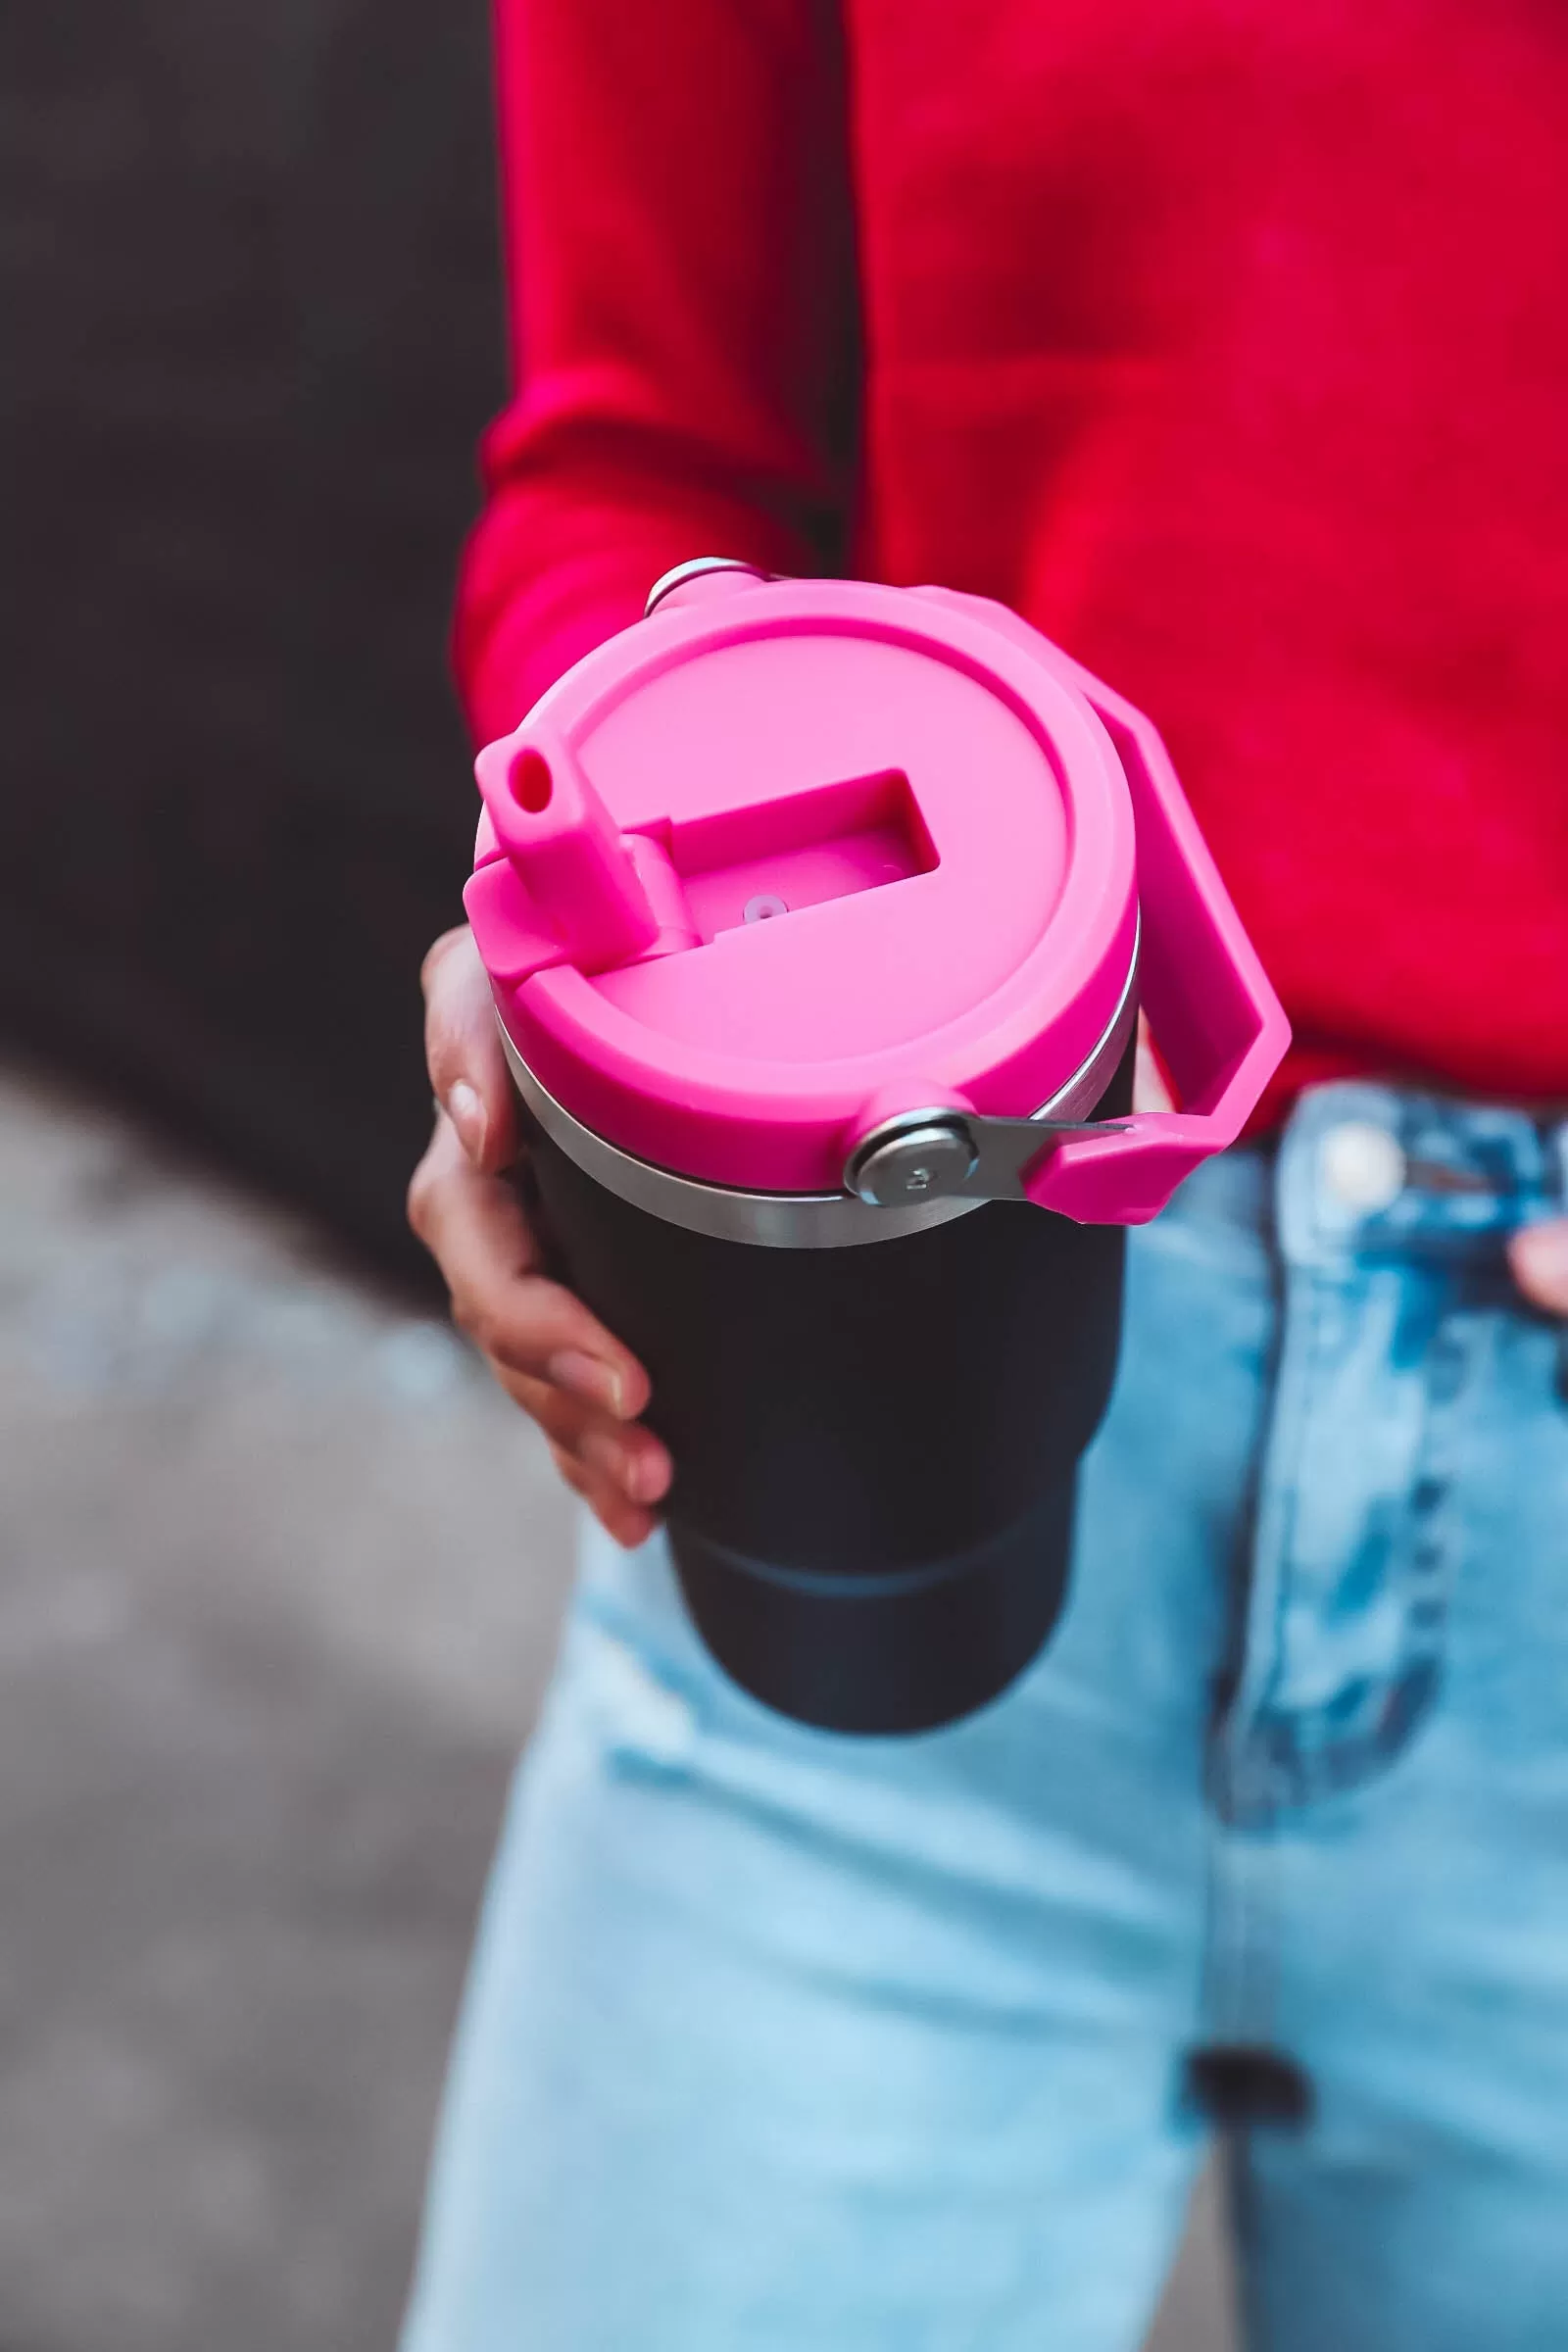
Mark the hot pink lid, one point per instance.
(779, 852)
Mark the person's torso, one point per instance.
(1226, 340)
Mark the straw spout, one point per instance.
(575, 866)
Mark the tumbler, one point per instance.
(818, 916)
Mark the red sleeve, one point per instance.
(678, 248)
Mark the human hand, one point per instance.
(1151, 1090)
(550, 1354)
(1539, 1258)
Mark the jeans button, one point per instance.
(1361, 1165)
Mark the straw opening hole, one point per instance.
(531, 782)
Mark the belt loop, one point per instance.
(1560, 1154)
(1340, 1155)
(1554, 1136)
(1557, 1145)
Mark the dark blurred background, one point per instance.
(252, 328)
(280, 1573)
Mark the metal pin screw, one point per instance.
(935, 1157)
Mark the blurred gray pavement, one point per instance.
(279, 1576)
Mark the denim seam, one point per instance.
(1272, 1550)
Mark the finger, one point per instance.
(462, 1051)
(474, 1228)
(1151, 1090)
(625, 1452)
(620, 1518)
(447, 1190)
(1539, 1258)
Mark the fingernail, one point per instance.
(608, 1455)
(586, 1377)
(639, 1475)
(646, 1476)
(466, 1113)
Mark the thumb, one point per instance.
(463, 1048)
(1539, 1258)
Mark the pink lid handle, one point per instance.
(1218, 1024)
(1220, 1028)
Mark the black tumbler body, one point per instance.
(875, 1447)
(822, 909)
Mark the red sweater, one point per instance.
(1225, 339)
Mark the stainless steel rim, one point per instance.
(697, 568)
(791, 1220)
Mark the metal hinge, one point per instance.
(938, 1155)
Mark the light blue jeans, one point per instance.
(778, 2041)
